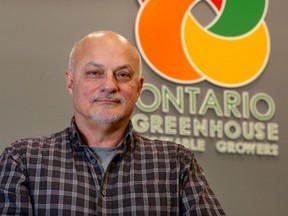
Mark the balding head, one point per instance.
(99, 39)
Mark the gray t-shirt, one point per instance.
(104, 155)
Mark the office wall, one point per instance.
(35, 41)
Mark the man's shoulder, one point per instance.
(37, 144)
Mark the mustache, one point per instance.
(107, 97)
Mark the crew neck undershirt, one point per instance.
(104, 155)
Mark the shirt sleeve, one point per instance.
(14, 195)
(197, 196)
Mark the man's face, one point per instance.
(105, 82)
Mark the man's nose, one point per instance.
(109, 82)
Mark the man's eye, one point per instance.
(123, 76)
(93, 73)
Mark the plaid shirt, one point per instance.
(56, 175)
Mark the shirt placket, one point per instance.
(97, 173)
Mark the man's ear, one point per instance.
(140, 86)
(69, 82)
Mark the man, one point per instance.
(99, 165)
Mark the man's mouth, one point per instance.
(107, 100)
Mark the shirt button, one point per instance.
(103, 192)
(93, 161)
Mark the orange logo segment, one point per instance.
(159, 38)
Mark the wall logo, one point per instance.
(231, 52)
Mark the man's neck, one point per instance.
(101, 135)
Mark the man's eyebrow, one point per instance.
(120, 67)
(127, 66)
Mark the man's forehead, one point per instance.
(108, 47)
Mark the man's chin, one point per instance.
(105, 120)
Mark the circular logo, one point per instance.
(231, 51)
